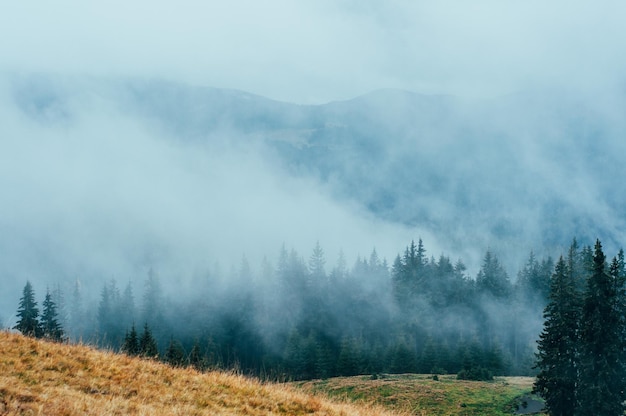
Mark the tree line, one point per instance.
(421, 315)
(295, 320)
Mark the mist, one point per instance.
(93, 193)
(212, 145)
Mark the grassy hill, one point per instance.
(421, 395)
(42, 378)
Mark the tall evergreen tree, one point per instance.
(50, 326)
(58, 297)
(131, 342)
(175, 354)
(195, 359)
(557, 356)
(492, 279)
(77, 325)
(317, 264)
(602, 384)
(147, 344)
(28, 313)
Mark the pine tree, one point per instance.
(347, 362)
(147, 344)
(131, 342)
(492, 279)
(602, 385)
(152, 308)
(195, 358)
(58, 297)
(175, 354)
(557, 356)
(50, 327)
(317, 264)
(28, 313)
(76, 326)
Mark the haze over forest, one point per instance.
(184, 137)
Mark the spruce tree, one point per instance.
(492, 279)
(28, 313)
(195, 359)
(50, 327)
(602, 385)
(147, 344)
(557, 357)
(175, 354)
(131, 342)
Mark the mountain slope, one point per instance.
(525, 171)
(38, 377)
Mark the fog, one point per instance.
(319, 51)
(92, 193)
(184, 138)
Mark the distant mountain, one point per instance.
(532, 169)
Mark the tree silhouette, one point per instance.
(28, 313)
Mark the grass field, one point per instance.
(42, 378)
(421, 395)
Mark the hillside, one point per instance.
(44, 378)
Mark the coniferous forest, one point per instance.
(302, 319)
(421, 315)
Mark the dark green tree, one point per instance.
(602, 384)
(131, 342)
(557, 356)
(403, 358)
(348, 362)
(147, 344)
(195, 359)
(492, 279)
(175, 354)
(50, 326)
(28, 313)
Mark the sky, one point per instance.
(315, 51)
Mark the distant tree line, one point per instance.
(297, 321)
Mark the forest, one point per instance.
(297, 321)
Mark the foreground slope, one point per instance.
(38, 377)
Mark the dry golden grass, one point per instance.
(42, 378)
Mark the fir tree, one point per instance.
(317, 264)
(195, 358)
(557, 356)
(175, 354)
(147, 344)
(28, 313)
(50, 327)
(602, 384)
(76, 326)
(492, 279)
(131, 342)
(347, 362)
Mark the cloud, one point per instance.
(315, 51)
(93, 193)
